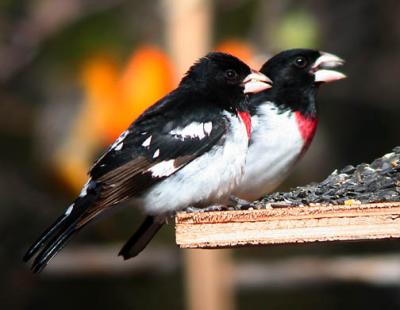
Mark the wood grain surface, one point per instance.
(288, 224)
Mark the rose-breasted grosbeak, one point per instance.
(189, 148)
(284, 118)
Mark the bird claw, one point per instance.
(285, 203)
(193, 209)
(211, 208)
(240, 204)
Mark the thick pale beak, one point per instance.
(256, 82)
(322, 68)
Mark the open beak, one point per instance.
(256, 82)
(322, 68)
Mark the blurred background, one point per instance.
(75, 73)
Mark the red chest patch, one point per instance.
(246, 119)
(307, 127)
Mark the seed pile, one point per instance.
(365, 183)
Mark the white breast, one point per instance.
(275, 147)
(208, 179)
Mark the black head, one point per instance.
(296, 75)
(223, 79)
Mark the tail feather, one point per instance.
(51, 249)
(141, 237)
(43, 238)
(56, 236)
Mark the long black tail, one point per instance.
(55, 237)
(141, 238)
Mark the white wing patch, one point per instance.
(163, 169)
(207, 127)
(147, 142)
(193, 130)
(156, 153)
(84, 189)
(117, 145)
(69, 210)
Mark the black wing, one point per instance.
(129, 168)
(153, 148)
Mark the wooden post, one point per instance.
(188, 31)
(209, 280)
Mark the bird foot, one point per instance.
(240, 204)
(206, 209)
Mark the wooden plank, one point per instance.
(288, 225)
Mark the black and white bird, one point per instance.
(284, 118)
(189, 148)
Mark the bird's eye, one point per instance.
(231, 74)
(300, 62)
